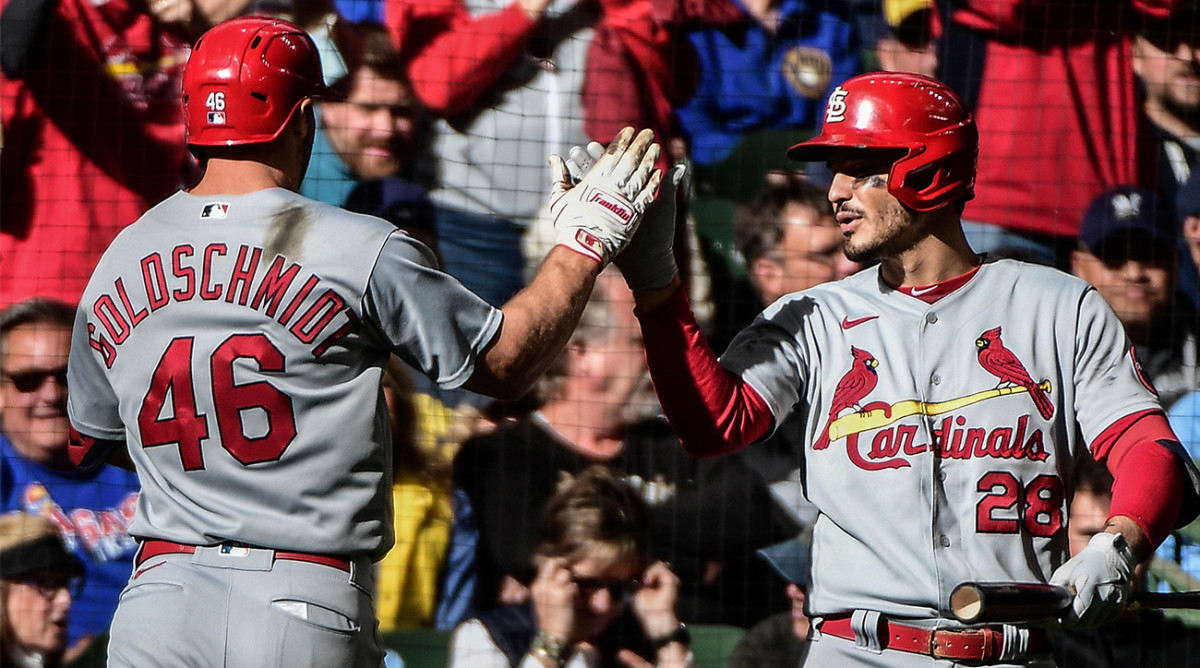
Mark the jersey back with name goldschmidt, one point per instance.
(940, 437)
(237, 344)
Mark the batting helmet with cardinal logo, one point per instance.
(920, 120)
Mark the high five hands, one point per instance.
(598, 214)
(648, 260)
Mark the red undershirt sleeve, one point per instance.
(88, 453)
(1151, 480)
(712, 411)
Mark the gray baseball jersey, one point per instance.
(940, 436)
(237, 344)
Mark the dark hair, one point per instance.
(368, 45)
(34, 311)
(758, 225)
(595, 508)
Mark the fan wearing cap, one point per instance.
(39, 579)
(909, 42)
(945, 396)
(1128, 250)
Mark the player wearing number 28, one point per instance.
(945, 395)
(231, 343)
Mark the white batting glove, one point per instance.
(648, 262)
(1100, 576)
(598, 216)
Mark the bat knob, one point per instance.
(966, 603)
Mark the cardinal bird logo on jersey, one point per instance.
(856, 384)
(1001, 363)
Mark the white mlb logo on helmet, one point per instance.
(216, 118)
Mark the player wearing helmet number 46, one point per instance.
(231, 344)
(945, 397)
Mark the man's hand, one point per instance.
(648, 262)
(654, 601)
(553, 592)
(1100, 576)
(598, 216)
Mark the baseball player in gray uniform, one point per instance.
(232, 343)
(945, 395)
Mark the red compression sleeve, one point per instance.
(1149, 480)
(712, 411)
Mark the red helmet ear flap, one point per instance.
(909, 112)
(245, 79)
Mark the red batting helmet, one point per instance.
(245, 79)
(920, 119)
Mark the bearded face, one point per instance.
(1168, 65)
(373, 129)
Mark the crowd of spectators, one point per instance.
(1089, 116)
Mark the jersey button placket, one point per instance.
(934, 378)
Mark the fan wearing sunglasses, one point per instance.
(39, 580)
(596, 599)
(91, 511)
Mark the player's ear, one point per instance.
(768, 274)
(1077, 261)
(306, 116)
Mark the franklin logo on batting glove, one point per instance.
(624, 213)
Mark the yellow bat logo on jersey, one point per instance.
(878, 418)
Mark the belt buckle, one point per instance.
(992, 644)
(933, 645)
(936, 644)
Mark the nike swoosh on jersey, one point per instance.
(917, 292)
(847, 323)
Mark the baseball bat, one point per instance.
(983, 602)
